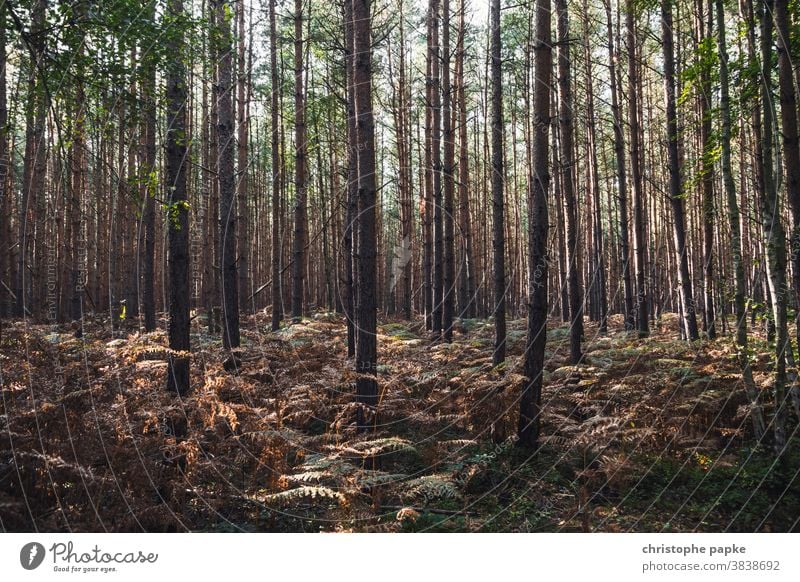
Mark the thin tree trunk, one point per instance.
(707, 179)
(498, 179)
(366, 344)
(448, 168)
(243, 123)
(530, 400)
(675, 182)
(178, 216)
(639, 240)
(5, 164)
(300, 184)
(148, 172)
(438, 224)
(622, 178)
(351, 218)
(467, 304)
(277, 297)
(791, 146)
(774, 235)
(225, 171)
(756, 411)
(567, 161)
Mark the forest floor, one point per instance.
(645, 435)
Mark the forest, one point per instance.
(399, 265)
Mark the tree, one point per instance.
(676, 194)
(740, 310)
(300, 184)
(277, 298)
(498, 228)
(622, 178)
(467, 285)
(634, 112)
(4, 166)
(366, 342)
(178, 208)
(351, 204)
(706, 171)
(148, 173)
(567, 132)
(243, 123)
(448, 173)
(773, 232)
(225, 173)
(436, 147)
(530, 401)
(34, 166)
(789, 131)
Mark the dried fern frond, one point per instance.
(432, 487)
(377, 447)
(304, 493)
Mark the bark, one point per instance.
(467, 302)
(225, 172)
(639, 240)
(438, 224)
(622, 178)
(366, 345)
(5, 163)
(300, 182)
(498, 179)
(148, 172)
(33, 169)
(707, 184)
(448, 168)
(756, 411)
(351, 218)
(772, 225)
(277, 298)
(243, 121)
(676, 193)
(178, 216)
(530, 401)
(567, 133)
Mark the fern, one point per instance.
(378, 447)
(306, 492)
(432, 487)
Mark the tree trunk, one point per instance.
(351, 209)
(707, 181)
(366, 344)
(467, 303)
(277, 298)
(530, 401)
(438, 223)
(225, 172)
(148, 172)
(639, 240)
(242, 167)
(622, 178)
(567, 162)
(498, 179)
(178, 215)
(5, 164)
(675, 183)
(300, 219)
(756, 411)
(449, 289)
(772, 225)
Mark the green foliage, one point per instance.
(174, 210)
